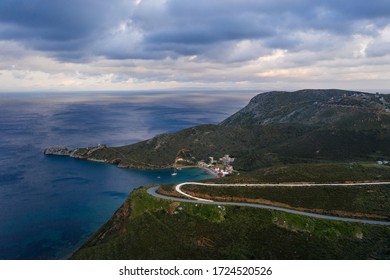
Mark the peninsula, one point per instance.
(308, 136)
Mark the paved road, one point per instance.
(152, 191)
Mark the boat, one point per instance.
(174, 174)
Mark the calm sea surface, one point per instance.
(50, 205)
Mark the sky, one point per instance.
(72, 45)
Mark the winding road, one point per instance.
(192, 199)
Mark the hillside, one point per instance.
(146, 227)
(305, 126)
(326, 108)
(303, 136)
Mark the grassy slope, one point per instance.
(254, 147)
(324, 172)
(275, 127)
(304, 141)
(373, 200)
(150, 228)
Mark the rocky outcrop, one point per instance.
(60, 151)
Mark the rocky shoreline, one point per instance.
(86, 154)
(60, 151)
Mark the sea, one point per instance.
(50, 205)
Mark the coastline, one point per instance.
(135, 167)
(209, 171)
(200, 167)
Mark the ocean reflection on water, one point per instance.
(50, 205)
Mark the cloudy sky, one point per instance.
(223, 44)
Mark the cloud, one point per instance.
(125, 42)
(378, 49)
(380, 46)
(152, 29)
(62, 28)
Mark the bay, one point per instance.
(50, 205)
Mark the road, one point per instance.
(192, 199)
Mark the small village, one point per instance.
(221, 167)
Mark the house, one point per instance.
(226, 160)
(211, 160)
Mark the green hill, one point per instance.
(308, 135)
(274, 128)
(325, 108)
(146, 227)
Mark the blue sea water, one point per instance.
(50, 205)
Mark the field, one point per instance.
(354, 201)
(150, 228)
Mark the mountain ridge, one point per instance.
(307, 107)
(273, 147)
(276, 127)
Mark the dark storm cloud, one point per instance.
(152, 29)
(359, 9)
(191, 26)
(204, 28)
(205, 21)
(64, 28)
